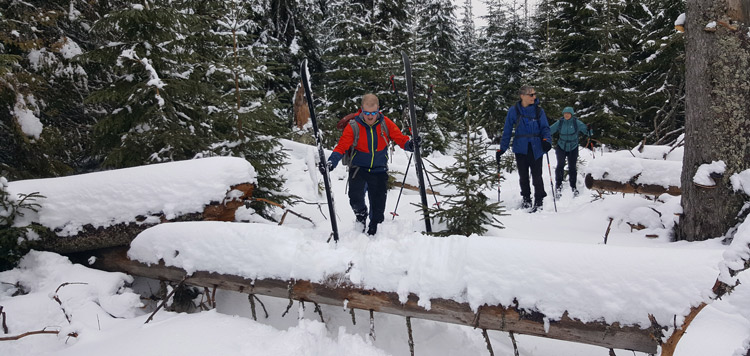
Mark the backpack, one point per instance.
(560, 122)
(349, 119)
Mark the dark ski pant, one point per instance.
(361, 181)
(572, 158)
(526, 163)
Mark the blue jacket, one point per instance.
(529, 130)
(569, 130)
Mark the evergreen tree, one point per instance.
(152, 91)
(44, 126)
(244, 116)
(592, 55)
(15, 241)
(434, 62)
(469, 209)
(660, 67)
(486, 95)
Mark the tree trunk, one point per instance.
(717, 124)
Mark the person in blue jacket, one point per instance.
(527, 124)
(566, 148)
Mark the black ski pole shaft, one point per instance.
(415, 131)
(549, 168)
(402, 187)
(321, 154)
(499, 178)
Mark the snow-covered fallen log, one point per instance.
(110, 208)
(597, 294)
(654, 170)
(629, 187)
(336, 291)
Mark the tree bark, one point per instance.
(717, 124)
(334, 291)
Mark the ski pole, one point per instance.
(550, 181)
(499, 178)
(402, 187)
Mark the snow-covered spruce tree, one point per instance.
(150, 85)
(466, 62)
(468, 210)
(44, 127)
(15, 240)
(245, 117)
(547, 78)
(358, 56)
(520, 58)
(592, 57)
(485, 94)
(660, 68)
(434, 64)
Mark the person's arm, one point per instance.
(395, 133)
(554, 127)
(582, 128)
(544, 127)
(345, 141)
(510, 120)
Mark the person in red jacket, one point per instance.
(369, 163)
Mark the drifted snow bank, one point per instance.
(591, 282)
(657, 165)
(108, 198)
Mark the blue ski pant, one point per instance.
(375, 184)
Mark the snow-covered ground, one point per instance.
(549, 261)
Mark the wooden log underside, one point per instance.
(336, 292)
(630, 187)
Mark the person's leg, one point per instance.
(560, 154)
(536, 178)
(572, 171)
(523, 175)
(357, 184)
(377, 195)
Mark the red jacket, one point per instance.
(371, 150)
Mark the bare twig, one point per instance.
(213, 298)
(2, 315)
(290, 292)
(372, 325)
(286, 210)
(515, 345)
(319, 311)
(57, 298)
(487, 340)
(606, 234)
(164, 302)
(411, 338)
(251, 299)
(37, 332)
(354, 319)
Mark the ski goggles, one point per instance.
(370, 112)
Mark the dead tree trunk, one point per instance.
(717, 123)
(337, 293)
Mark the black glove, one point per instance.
(325, 167)
(546, 146)
(499, 156)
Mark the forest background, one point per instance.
(93, 85)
